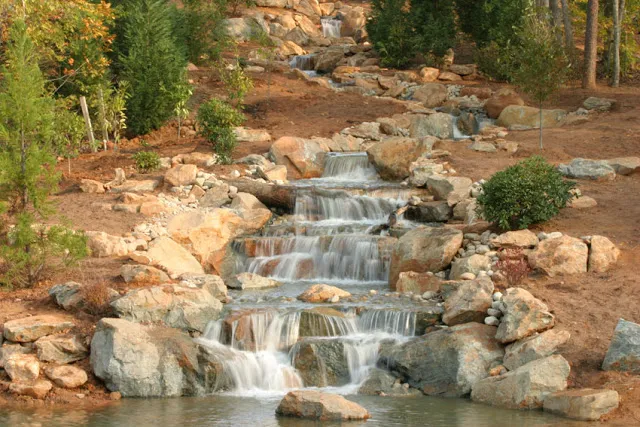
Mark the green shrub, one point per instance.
(216, 120)
(529, 192)
(399, 31)
(146, 161)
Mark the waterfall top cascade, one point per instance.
(331, 27)
(332, 237)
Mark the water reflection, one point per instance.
(242, 411)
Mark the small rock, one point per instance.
(321, 406)
(66, 376)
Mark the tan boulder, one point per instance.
(516, 239)
(393, 156)
(170, 256)
(181, 175)
(320, 406)
(142, 274)
(418, 283)
(22, 367)
(534, 347)
(469, 302)
(447, 76)
(524, 315)
(429, 74)
(103, 245)
(304, 158)
(91, 186)
(523, 117)
(431, 95)
(602, 254)
(66, 376)
(61, 349)
(582, 404)
(625, 165)
(199, 159)
(322, 293)
(560, 256)
(35, 389)
(501, 100)
(29, 329)
(275, 173)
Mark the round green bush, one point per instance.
(146, 161)
(529, 192)
(216, 120)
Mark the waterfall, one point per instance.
(349, 167)
(339, 208)
(303, 62)
(331, 27)
(390, 321)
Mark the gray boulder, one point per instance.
(524, 315)
(473, 264)
(438, 211)
(588, 169)
(188, 308)
(598, 104)
(382, 383)
(321, 362)
(446, 362)
(582, 404)
(61, 349)
(439, 125)
(624, 351)
(469, 302)
(526, 387)
(141, 361)
(533, 348)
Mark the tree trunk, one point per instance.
(591, 46)
(541, 125)
(556, 15)
(618, 17)
(276, 196)
(568, 28)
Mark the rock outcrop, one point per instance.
(320, 406)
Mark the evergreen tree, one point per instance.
(27, 168)
(151, 63)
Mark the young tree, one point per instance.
(568, 28)
(27, 167)
(151, 63)
(618, 19)
(591, 46)
(542, 66)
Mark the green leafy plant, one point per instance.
(216, 122)
(181, 111)
(146, 161)
(70, 131)
(236, 83)
(529, 192)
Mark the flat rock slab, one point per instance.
(588, 169)
(320, 406)
(30, 329)
(582, 404)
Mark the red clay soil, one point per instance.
(587, 305)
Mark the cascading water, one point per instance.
(327, 241)
(331, 27)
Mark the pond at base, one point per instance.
(246, 411)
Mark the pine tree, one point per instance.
(151, 63)
(27, 168)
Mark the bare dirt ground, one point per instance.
(587, 305)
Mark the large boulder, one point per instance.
(431, 94)
(522, 117)
(322, 293)
(422, 169)
(582, 404)
(393, 156)
(435, 211)
(453, 189)
(439, 125)
(321, 362)
(320, 406)
(588, 169)
(602, 254)
(524, 315)
(215, 197)
(424, 249)
(209, 282)
(469, 302)
(181, 175)
(304, 158)
(188, 308)
(560, 256)
(22, 367)
(132, 273)
(516, 239)
(382, 383)
(624, 351)
(598, 104)
(473, 264)
(353, 21)
(102, 245)
(252, 281)
(327, 61)
(526, 387)
(145, 361)
(501, 100)
(533, 348)
(417, 283)
(446, 362)
(67, 376)
(174, 259)
(61, 349)
(34, 389)
(29, 329)
(624, 165)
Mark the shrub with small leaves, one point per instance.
(146, 161)
(529, 192)
(216, 120)
(513, 266)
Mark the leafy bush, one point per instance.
(146, 161)
(488, 21)
(216, 120)
(529, 192)
(236, 83)
(200, 28)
